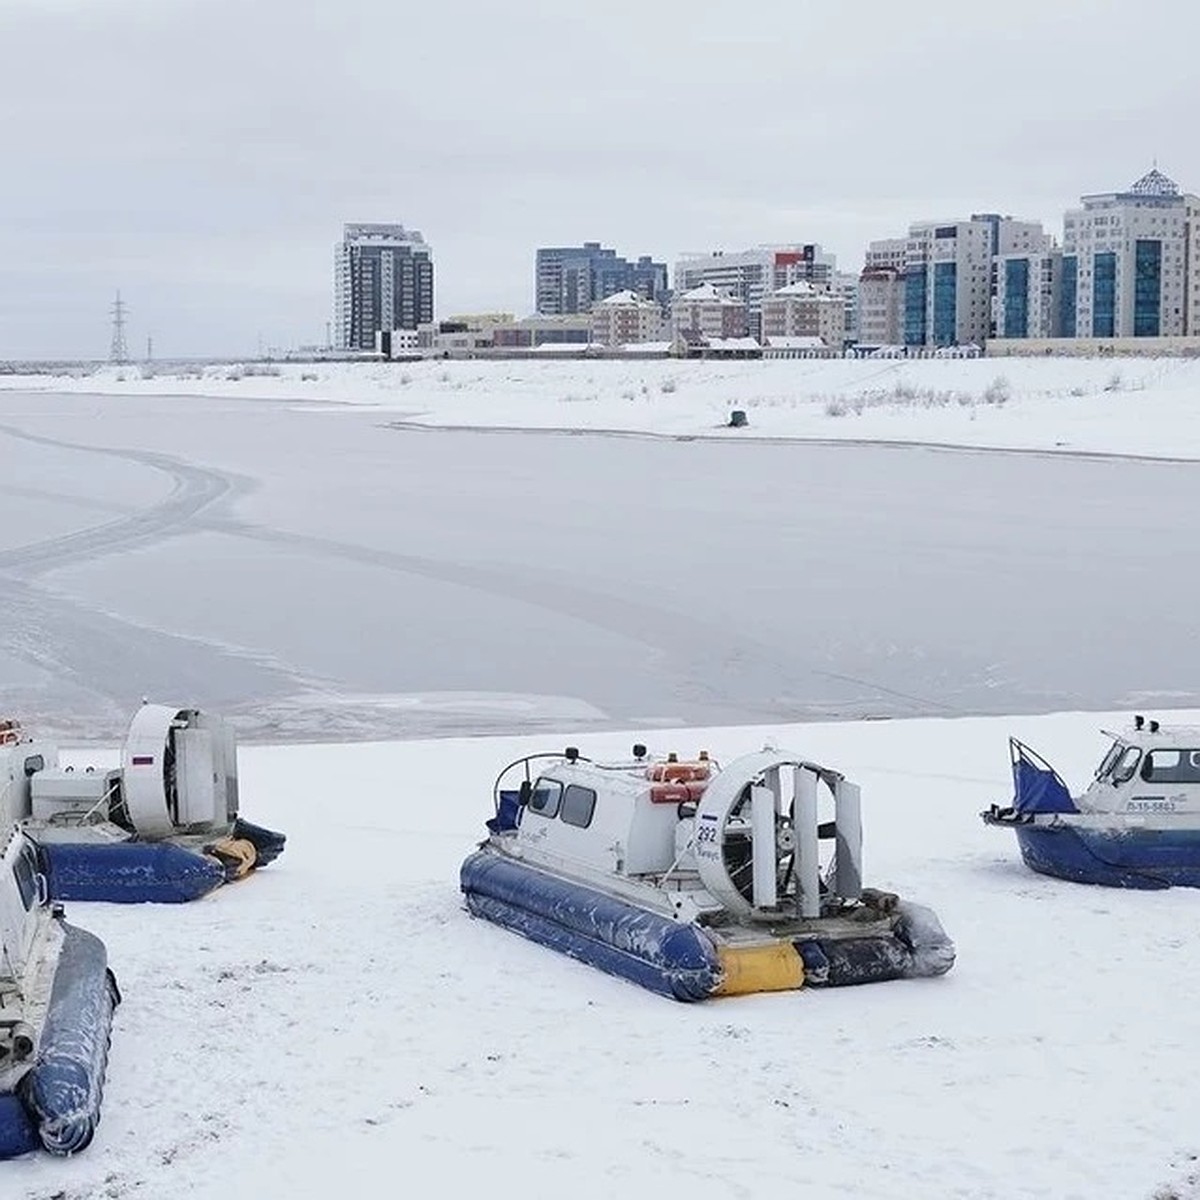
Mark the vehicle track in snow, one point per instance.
(104, 662)
(194, 490)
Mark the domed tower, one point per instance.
(1131, 262)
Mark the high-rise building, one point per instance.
(382, 280)
(749, 275)
(1027, 287)
(887, 252)
(881, 305)
(949, 276)
(570, 279)
(1131, 263)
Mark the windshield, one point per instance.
(1126, 764)
(1106, 763)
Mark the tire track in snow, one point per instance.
(194, 490)
(106, 662)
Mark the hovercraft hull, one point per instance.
(135, 872)
(1124, 858)
(56, 1104)
(681, 960)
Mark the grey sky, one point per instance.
(202, 155)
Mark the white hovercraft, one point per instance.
(1136, 826)
(57, 998)
(696, 881)
(163, 826)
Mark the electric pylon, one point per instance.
(119, 350)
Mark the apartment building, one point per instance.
(800, 310)
(881, 306)
(887, 252)
(1027, 287)
(625, 317)
(571, 279)
(382, 281)
(749, 275)
(703, 313)
(949, 276)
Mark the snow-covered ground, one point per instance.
(338, 1026)
(1103, 405)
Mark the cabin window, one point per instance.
(1126, 764)
(1106, 764)
(545, 797)
(1172, 766)
(578, 805)
(26, 872)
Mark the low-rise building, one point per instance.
(704, 313)
(568, 329)
(626, 317)
(800, 310)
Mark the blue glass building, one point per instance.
(570, 279)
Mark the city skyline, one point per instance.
(201, 158)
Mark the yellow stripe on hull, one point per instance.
(776, 967)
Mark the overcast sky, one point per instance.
(202, 155)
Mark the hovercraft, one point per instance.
(163, 826)
(57, 998)
(696, 881)
(1136, 826)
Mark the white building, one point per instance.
(801, 311)
(1131, 263)
(704, 313)
(881, 306)
(752, 274)
(626, 317)
(948, 283)
(845, 285)
(887, 252)
(1027, 289)
(949, 276)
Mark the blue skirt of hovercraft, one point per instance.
(667, 957)
(129, 872)
(56, 1105)
(1128, 858)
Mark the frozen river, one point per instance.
(320, 574)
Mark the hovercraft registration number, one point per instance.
(1150, 804)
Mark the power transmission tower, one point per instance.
(119, 350)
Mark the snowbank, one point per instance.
(1126, 406)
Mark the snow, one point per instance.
(337, 1025)
(1125, 406)
(338, 1020)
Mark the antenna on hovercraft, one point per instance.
(639, 751)
(571, 754)
(1153, 726)
(1138, 722)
